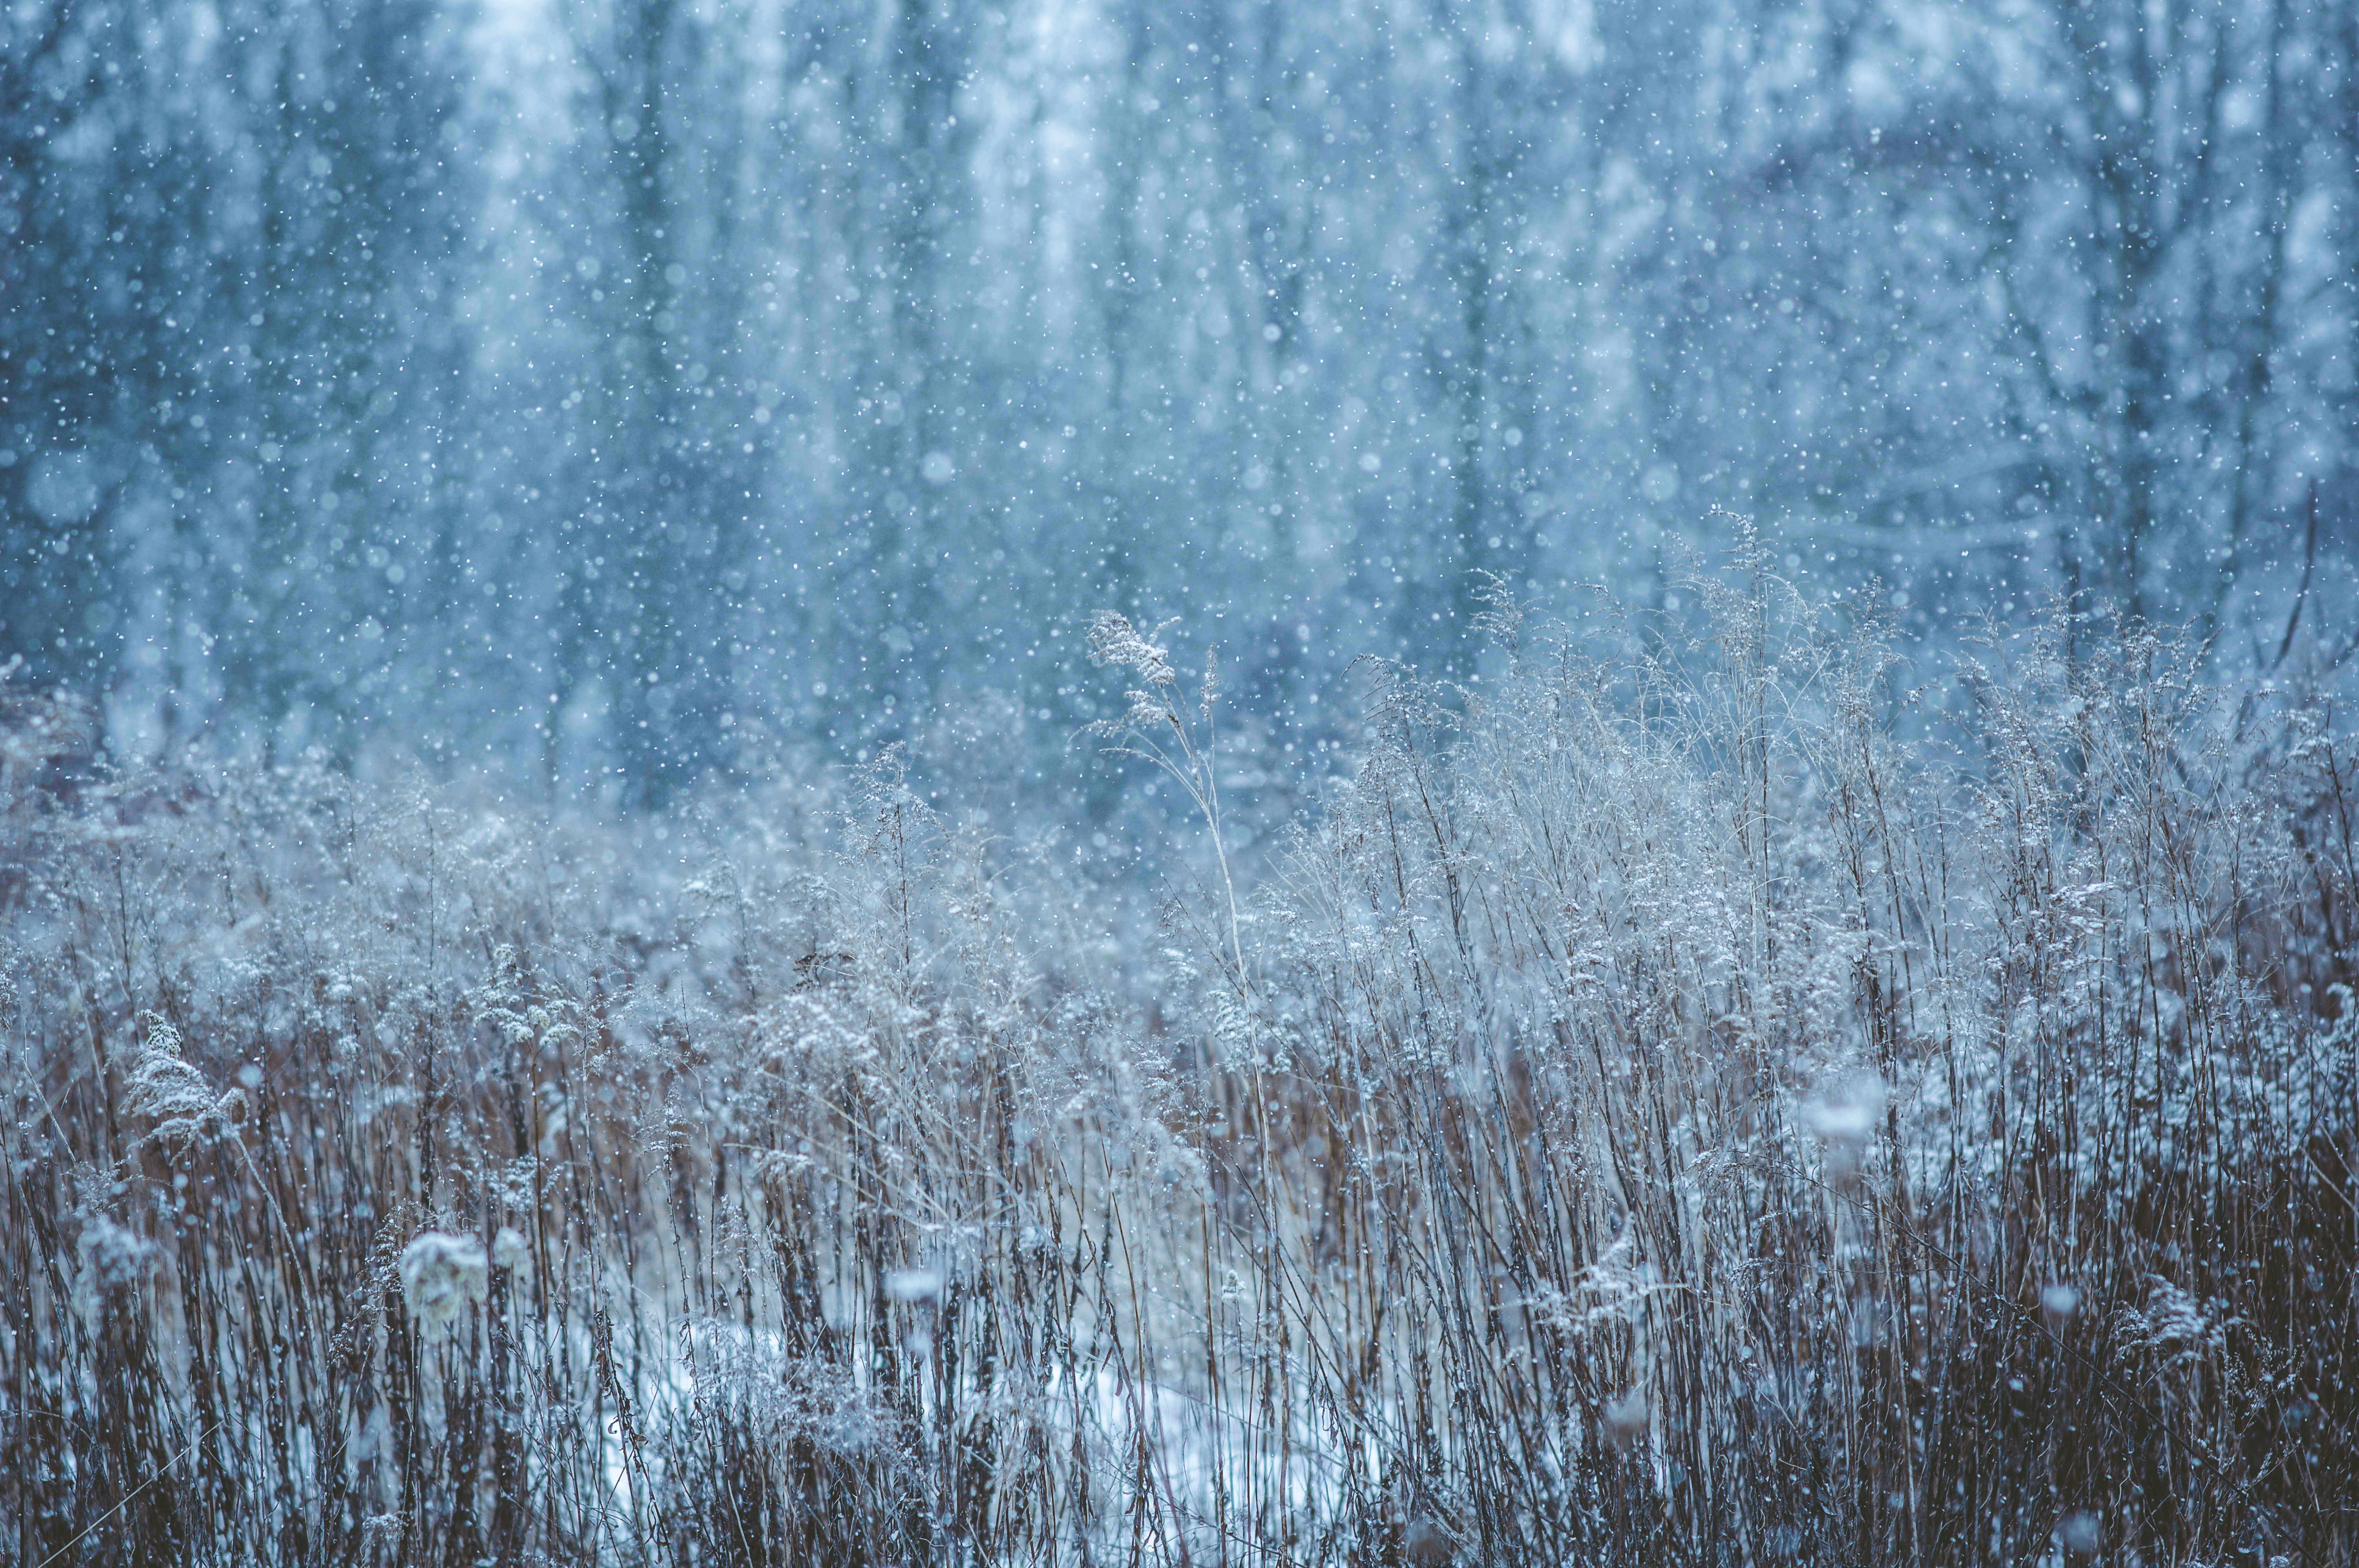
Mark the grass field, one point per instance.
(1730, 1095)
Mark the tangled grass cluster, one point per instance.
(1712, 1097)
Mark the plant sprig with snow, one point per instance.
(1158, 728)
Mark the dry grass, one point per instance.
(1687, 1101)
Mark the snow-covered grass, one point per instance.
(1696, 1095)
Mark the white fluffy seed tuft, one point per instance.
(440, 1274)
(178, 1104)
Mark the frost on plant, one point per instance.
(440, 1273)
(171, 1094)
(510, 1250)
(1114, 641)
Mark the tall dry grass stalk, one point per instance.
(1688, 1100)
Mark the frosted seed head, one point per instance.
(1113, 639)
(171, 1094)
(440, 1274)
(509, 1248)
